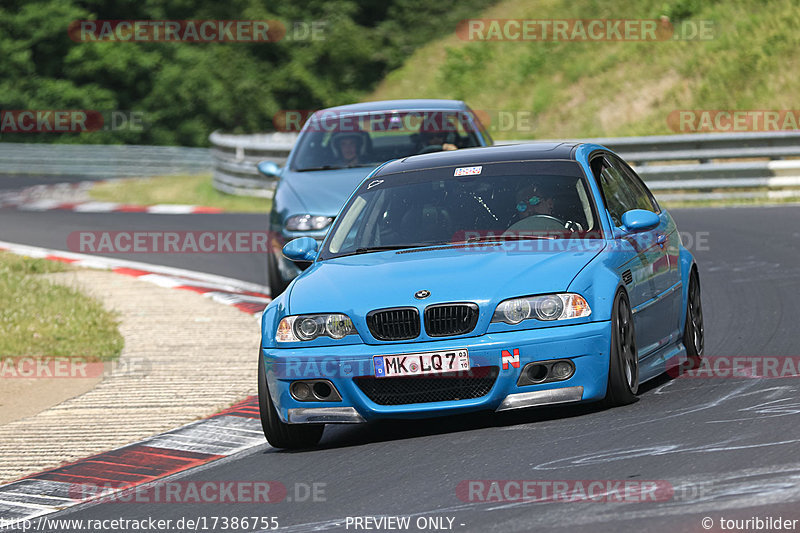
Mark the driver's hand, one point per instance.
(449, 146)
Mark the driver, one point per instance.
(538, 200)
(433, 132)
(348, 146)
(433, 140)
(532, 200)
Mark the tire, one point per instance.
(276, 282)
(278, 433)
(623, 365)
(693, 330)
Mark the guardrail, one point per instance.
(101, 161)
(703, 166)
(236, 156)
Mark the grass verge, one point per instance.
(612, 88)
(41, 319)
(184, 189)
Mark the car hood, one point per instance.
(360, 283)
(323, 192)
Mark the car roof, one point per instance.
(490, 154)
(402, 105)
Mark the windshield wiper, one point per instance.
(323, 167)
(370, 249)
(335, 167)
(503, 237)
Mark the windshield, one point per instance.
(505, 201)
(334, 140)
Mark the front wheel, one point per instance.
(623, 365)
(278, 433)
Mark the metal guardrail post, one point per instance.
(101, 161)
(236, 157)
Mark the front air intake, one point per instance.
(446, 320)
(395, 324)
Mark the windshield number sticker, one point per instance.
(467, 171)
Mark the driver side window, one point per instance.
(611, 183)
(620, 192)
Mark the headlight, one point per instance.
(545, 307)
(307, 222)
(309, 327)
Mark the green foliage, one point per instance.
(463, 65)
(184, 91)
(680, 9)
(576, 89)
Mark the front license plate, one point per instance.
(415, 364)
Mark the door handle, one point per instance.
(661, 239)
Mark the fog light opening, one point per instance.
(300, 391)
(562, 370)
(537, 373)
(322, 390)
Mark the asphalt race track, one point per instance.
(50, 229)
(728, 447)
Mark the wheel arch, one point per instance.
(599, 282)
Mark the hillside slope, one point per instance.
(613, 88)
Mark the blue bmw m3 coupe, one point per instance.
(491, 278)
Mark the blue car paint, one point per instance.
(302, 249)
(586, 344)
(356, 284)
(640, 220)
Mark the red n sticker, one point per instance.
(510, 359)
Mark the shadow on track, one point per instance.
(343, 436)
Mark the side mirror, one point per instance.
(637, 220)
(301, 249)
(269, 169)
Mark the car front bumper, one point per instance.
(586, 345)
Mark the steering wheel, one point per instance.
(550, 217)
(539, 223)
